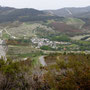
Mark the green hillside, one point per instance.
(78, 23)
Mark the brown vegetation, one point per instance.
(71, 72)
(62, 27)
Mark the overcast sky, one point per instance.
(44, 4)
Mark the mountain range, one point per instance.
(29, 14)
(12, 14)
(71, 12)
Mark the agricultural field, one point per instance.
(20, 44)
(21, 51)
(24, 30)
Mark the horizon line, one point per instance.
(45, 9)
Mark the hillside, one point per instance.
(71, 12)
(40, 30)
(44, 49)
(8, 14)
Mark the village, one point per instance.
(46, 42)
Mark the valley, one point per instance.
(44, 49)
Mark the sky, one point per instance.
(44, 4)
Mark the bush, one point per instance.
(73, 72)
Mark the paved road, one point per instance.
(2, 50)
(42, 61)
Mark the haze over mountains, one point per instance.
(75, 12)
(13, 14)
(26, 14)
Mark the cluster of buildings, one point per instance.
(46, 42)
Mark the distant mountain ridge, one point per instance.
(9, 14)
(12, 14)
(70, 21)
(68, 12)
